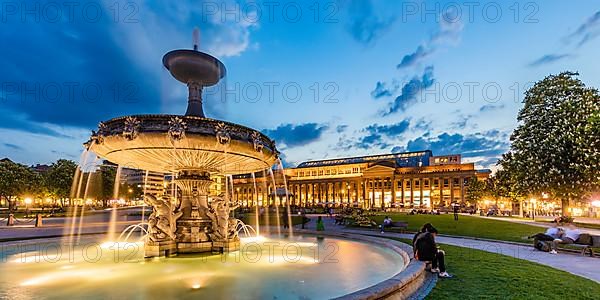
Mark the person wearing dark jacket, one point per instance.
(425, 228)
(425, 249)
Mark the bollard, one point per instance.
(38, 220)
(11, 220)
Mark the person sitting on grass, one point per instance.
(426, 249)
(387, 222)
(425, 228)
(570, 235)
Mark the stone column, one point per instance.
(451, 183)
(402, 190)
(462, 190)
(394, 191)
(412, 190)
(421, 190)
(382, 200)
(372, 201)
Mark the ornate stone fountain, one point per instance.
(194, 148)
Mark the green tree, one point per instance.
(16, 180)
(476, 190)
(556, 147)
(58, 180)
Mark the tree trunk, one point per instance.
(565, 206)
(520, 208)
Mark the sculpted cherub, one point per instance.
(162, 223)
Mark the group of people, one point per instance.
(425, 249)
(555, 236)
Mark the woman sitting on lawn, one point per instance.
(426, 250)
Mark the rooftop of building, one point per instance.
(364, 159)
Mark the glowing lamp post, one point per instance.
(533, 201)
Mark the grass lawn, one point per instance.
(484, 275)
(468, 226)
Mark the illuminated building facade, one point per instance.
(403, 180)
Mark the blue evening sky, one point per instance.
(324, 79)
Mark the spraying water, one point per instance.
(112, 225)
(275, 201)
(267, 217)
(82, 163)
(287, 199)
(256, 208)
(196, 38)
(144, 195)
(82, 213)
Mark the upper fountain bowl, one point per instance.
(194, 66)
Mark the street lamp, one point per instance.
(533, 201)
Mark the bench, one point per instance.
(587, 243)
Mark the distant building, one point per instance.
(40, 168)
(408, 180)
(153, 184)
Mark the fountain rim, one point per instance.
(142, 116)
(171, 54)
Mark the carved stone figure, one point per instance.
(222, 133)
(257, 142)
(131, 128)
(177, 128)
(219, 212)
(163, 220)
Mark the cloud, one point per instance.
(487, 163)
(423, 124)
(13, 146)
(296, 135)
(382, 90)
(105, 69)
(376, 136)
(450, 29)
(391, 130)
(548, 59)
(587, 31)
(486, 144)
(414, 58)
(20, 122)
(410, 91)
(341, 128)
(365, 25)
(462, 121)
(490, 107)
(448, 33)
(398, 149)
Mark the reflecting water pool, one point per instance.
(299, 267)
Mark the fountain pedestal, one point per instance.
(161, 248)
(226, 246)
(194, 225)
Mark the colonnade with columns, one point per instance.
(407, 190)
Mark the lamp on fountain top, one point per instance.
(197, 70)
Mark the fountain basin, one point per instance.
(194, 66)
(339, 267)
(171, 143)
